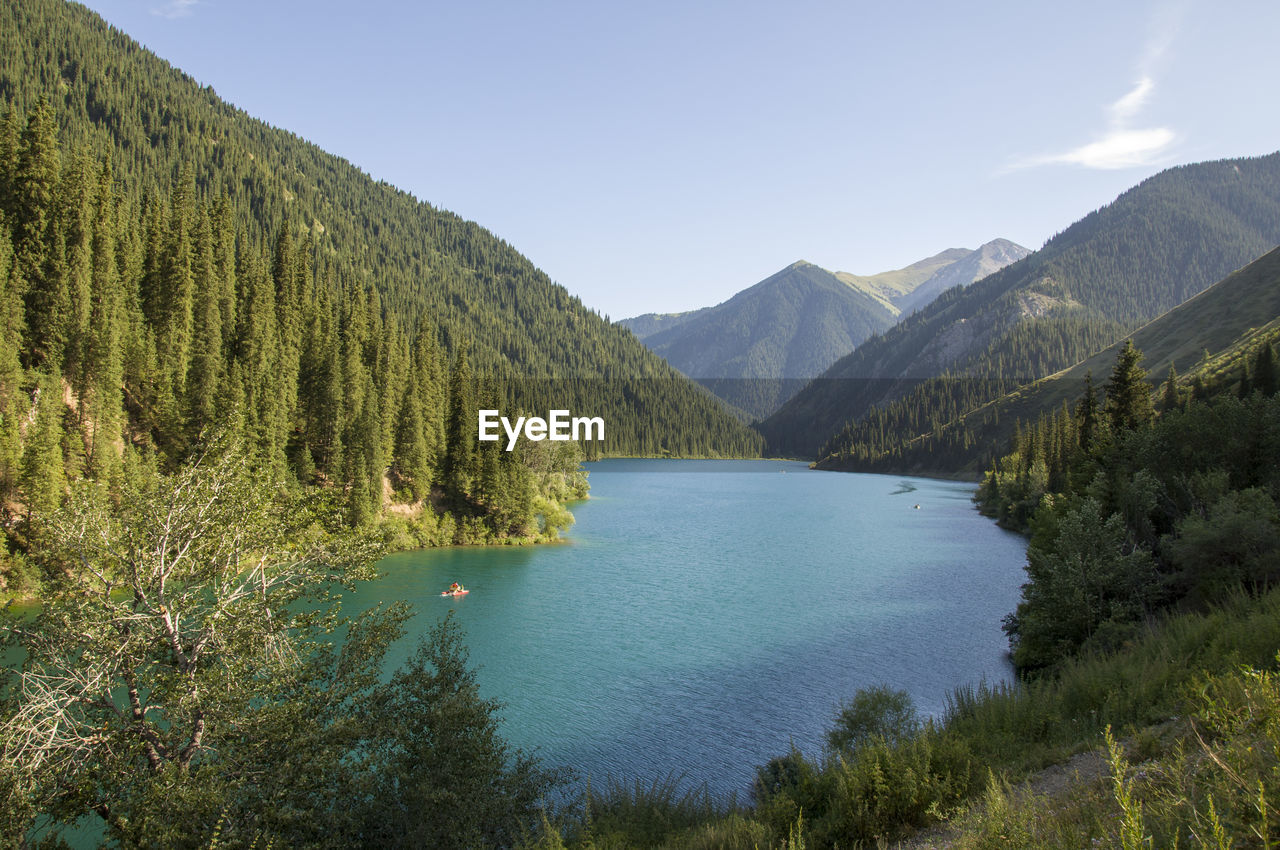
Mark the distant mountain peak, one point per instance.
(757, 347)
(986, 259)
(1112, 271)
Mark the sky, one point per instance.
(661, 156)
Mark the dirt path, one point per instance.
(1053, 781)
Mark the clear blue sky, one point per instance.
(660, 156)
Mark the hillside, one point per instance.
(986, 259)
(763, 344)
(175, 274)
(651, 323)
(161, 129)
(1156, 245)
(890, 287)
(1206, 336)
(759, 346)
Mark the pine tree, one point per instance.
(259, 355)
(434, 390)
(461, 462)
(365, 461)
(1265, 379)
(329, 395)
(10, 143)
(104, 348)
(1087, 414)
(13, 401)
(291, 276)
(175, 320)
(42, 479)
(1128, 403)
(76, 214)
(35, 182)
(1172, 399)
(204, 374)
(38, 238)
(412, 456)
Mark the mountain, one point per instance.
(110, 97)
(890, 287)
(651, 323)
(174, 272)
(766, 342)
(976, 265)
(1154, 247)
(760, 345)
(887, 288)
(1219, 323)
(1207, 336)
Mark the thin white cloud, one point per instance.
(1119, 149)
(175, 9)
(1123, 145)
(1131, 104)
(1164, 26)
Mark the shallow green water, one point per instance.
(707, 614)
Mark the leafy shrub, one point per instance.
(876, 712)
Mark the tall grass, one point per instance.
(643, 815)
(1024, 726)
(1194, 702)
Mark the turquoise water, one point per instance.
(705, 615)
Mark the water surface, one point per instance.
(706, 615)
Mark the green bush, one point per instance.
(876, 712)
(886, 787)
(643, 815)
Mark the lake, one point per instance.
(705, 615)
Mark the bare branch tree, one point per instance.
(173, 602)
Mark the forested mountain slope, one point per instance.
(160, 128)
(763, 343)
(760, 346)
(1156, 245)
(1200, 338)
(172, 270)
(647, 325)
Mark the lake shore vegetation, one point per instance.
(1148, 640)
(190, 680)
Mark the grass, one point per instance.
(1187, 714)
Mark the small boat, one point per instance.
(459, 592)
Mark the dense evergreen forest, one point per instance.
(1131, 512)
(888, 437)
(233, 370)
(159, 129)
(1203, 336)
(1152, 248)
(172, 268)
